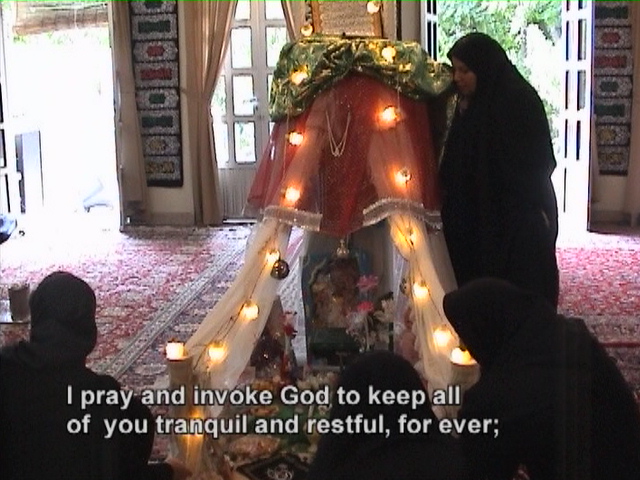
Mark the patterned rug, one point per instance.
(157, 284)
(143, 278)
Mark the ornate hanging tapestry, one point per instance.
(154, 33)
(613, 70)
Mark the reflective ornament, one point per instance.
(280, 270)
(342, 251)
(404, 286)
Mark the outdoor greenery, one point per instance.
(529, 31)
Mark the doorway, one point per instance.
(240, 105)
(551, 44)
(62, 116)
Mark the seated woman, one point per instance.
(396, 455)
(564, 409)
(42, 434)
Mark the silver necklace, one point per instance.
(337, 148)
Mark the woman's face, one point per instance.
(463, 77)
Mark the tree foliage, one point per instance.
(505, 20)
(510, 22)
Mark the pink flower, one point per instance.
(365, 306)
(367, 282)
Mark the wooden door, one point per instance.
(571, 178)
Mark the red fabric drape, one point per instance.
(342, 184)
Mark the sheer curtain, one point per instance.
(131, 174)
(207, 38)
(632, 193)
(294, 15)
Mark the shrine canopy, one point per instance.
(352, 139)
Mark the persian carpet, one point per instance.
(154, 284)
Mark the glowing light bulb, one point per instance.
(389, 116)
(403, 176)
(296, 138)
(442, 336)
(272, 256)
(306, 30)
(461, 357)
(292, 195)
(420, 290)
(388, 53)
(249, 311)
(298, 77)
(373, 7)
(411, 236)
(175, 350)
(217, 352)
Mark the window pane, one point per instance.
(273, 10)
(243, 96)
(245, 135)
(221, 137)
(241, 47)
(243, 10)
(219, 101)
(276, 39)
(269, 82)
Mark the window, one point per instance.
(240, 105)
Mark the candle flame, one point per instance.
(175, 350)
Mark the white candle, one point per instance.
(175, 350)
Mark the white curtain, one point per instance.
(294, 15)
(207, 39)
(130, 159)
(632, 193)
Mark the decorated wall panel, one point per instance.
(154, 32)
(613, 85)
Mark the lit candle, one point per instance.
(306, 30)
(461, 357)
(250, 311)
(175, 350)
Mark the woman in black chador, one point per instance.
(564, 410)
(391, 455)
(499, 209)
